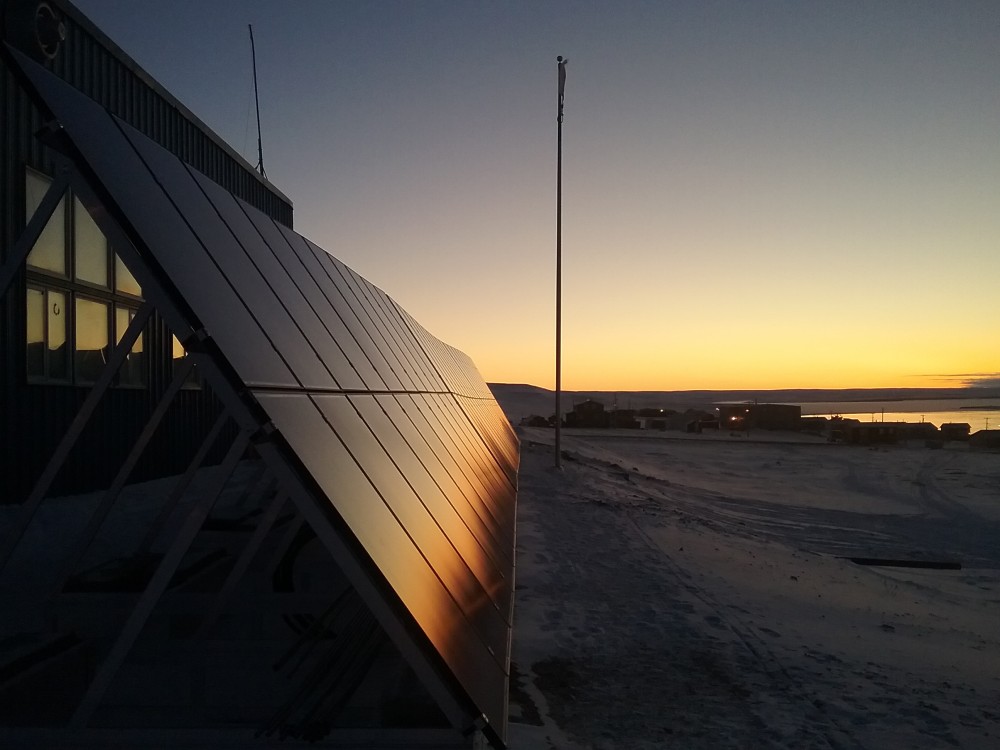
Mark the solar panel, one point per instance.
(394, 432)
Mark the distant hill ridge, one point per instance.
(524, 399)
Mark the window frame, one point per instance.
(74, 289)
(46, 377)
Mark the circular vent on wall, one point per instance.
(50, 31)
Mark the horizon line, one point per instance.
(987, 385)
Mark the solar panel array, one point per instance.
(397, 430)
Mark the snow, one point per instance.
(693, 593)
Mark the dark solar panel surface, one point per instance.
(397, 428)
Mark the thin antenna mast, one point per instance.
(256, 98)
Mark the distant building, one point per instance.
(955, 431)
(734, 416)
(760, 416)
(918, 431)
(658, 422)
(698, 424)
(985, 440)
(813, 424)
(869, 433)
(588, 413)
(623, 419)
(654, 412)
(654, 419)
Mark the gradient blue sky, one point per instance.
(756, 194)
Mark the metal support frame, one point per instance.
(182, 484)
(239, 406)
(286, 541)
(369, 590)
(372, 592)
(310, 637)
(328, 666)
(156, 586)
(118, 355)
(261, 484)
(228, 738)
(240, 568)
(110, 496)
(36, 225)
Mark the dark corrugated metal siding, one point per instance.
(96, 71)
(33, 418)
(39, 415)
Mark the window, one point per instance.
(91, 350)
(91, 248)
(47, 352)
(132, 372)
(193, 379)
(80, 297)
(49, 252)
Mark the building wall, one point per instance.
(588, 414)
(95, 65)
(985, 440)
(34, 417)
(869, 433)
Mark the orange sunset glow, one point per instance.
(753, 196)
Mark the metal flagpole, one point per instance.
(562, 89)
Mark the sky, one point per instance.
(755, 195)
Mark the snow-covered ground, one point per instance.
(691, 593)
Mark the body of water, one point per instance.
(978, 413)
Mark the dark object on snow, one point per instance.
(931, 564)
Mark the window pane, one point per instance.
(193, 379)
(133, 370)
(36, 185)
(124, 280)
(178, 349)
(36, 333)
(91, 339)
(49, 251)
(91, 247)
(58, 351)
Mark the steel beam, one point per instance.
(156, 586)
(36, 225)
(111, 494)
(74, 431)
(240, 568)
(182, 484)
